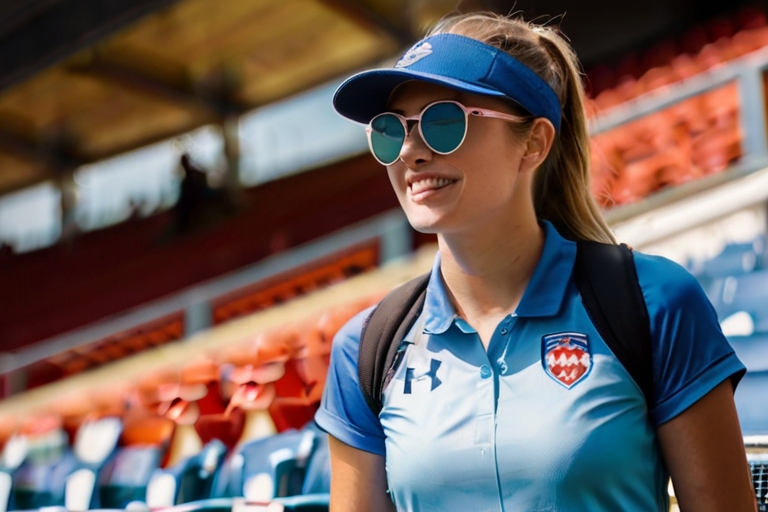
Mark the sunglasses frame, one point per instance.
(468, 111)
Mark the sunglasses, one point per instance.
(442, 126)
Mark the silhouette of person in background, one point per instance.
(199, 203)
(6, 249)
(192, 194)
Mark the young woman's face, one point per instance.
(477, 184)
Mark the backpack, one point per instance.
(607, 282)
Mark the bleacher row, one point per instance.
(245, 300)
(697, 137)
(233, 426)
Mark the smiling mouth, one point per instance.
(421, 186)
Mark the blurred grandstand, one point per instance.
(185, 224)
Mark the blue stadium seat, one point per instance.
(735, 259)
(267, 468)
(189, 480)
(303, 503)
(746, 292)
(40, 480)
(318, 502)
(95, 442)
(751, 392)
(318, 477)
(12, 457)
(126, 476)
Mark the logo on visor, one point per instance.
(566, 357)
(415, 54)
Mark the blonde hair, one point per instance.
(561, 192)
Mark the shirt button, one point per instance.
(504, 331)
(485, 371)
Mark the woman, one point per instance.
(482, 128)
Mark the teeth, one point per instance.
(428, 184)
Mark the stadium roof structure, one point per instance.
(83, 80)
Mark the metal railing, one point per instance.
(747, 71)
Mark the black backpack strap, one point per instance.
(382, 333)
(607, 281)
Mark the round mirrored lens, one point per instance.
(443, 126)
(387, 135)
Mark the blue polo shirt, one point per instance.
(547, 419)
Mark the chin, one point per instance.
(428, 220)
(427, 226)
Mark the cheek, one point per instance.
(493, 145)
(396, 178)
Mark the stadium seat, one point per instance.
(189, 480)
(302, 503)
(95, 441)
(750, 393)
(201, 383)
(227, 427)
(14, 452)
(40, 480)
(745, 292)
(267, 468)
(318, 502)
(318, 476)
(734, 259)
(144, 445)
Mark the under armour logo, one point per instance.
(410, 374)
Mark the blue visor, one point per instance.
(454, 61)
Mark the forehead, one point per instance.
(412, 96)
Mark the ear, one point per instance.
(538, 145)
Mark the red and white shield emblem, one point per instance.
(566, 357)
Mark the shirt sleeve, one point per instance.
(691, 356)
(343, 411)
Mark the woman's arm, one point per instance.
(358, 480)
(704, 451)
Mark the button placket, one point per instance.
(485, 403)
(500, 363)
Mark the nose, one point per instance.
(414, 151)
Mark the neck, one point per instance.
(486, 273)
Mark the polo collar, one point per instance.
(543, 296)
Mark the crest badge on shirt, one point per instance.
(566, 357)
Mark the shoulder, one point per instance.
(666, 283)
(343, 411)
(346, 342)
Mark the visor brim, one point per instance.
(366, 95)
